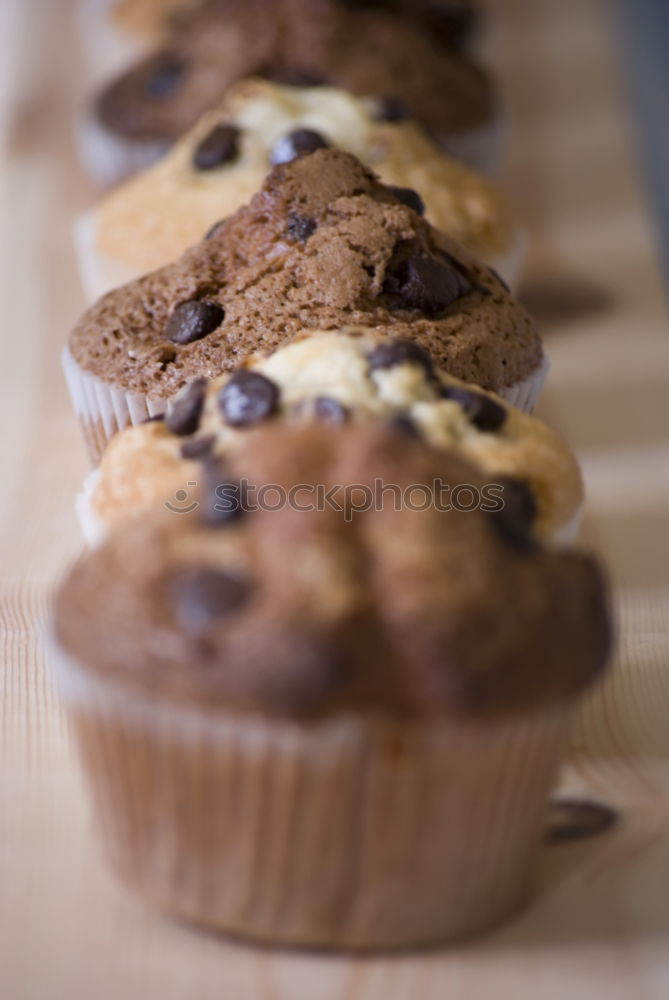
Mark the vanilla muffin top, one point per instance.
(387, 50)
(224, 159)
(322, 245)
(350, 377)
(337, 598)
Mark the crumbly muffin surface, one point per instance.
(369, 50)
(323, 245)
(151, 218)
(302, 609)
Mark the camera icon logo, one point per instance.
(180, 504)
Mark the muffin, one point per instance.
(258, 686)
(348, 377)
(223, 160)
(371, 50)
(323, 245)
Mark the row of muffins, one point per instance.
(322, 656)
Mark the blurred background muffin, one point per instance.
(151, 218)
(374, 51)
(389, 684)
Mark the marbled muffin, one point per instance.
(369, 50)
(347, 377)
(223, 160)
(323, 245)
(256, 686)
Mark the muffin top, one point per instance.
(323, 245)
(223, 160)
(326, 570)
(348, 377)
(370, 49)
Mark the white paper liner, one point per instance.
(109, 157)
(103, 409)
(525, 394)
(352, 832)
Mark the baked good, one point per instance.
(151, 218)
(256, 687)
(367, 49)
(323, 245)
(348, 377)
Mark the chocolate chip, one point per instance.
(223, 499)
(429, 284)
(482, 411)
(213, 229)
(247, 398)
(164, 72)
(184, 411)
(392, 109)
(574, 819)
(218, 147)
(405, 425)
(198, 448)
(331, 410)
(201, 596)
(300, 227)
(514, 520)
(301, 142)
(410, 198)
(400, 352)
(193, 320)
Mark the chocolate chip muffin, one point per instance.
(371, 50)
(328, 658)
(323, 245)
(223, 160)
(342, 378)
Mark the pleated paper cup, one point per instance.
(525, 394)
(103, 409)
(354, 832)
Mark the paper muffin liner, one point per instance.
(353, 832)
(103, 409)
(525, 394)
(109, 157)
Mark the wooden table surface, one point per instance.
(598, 926)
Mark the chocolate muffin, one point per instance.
(151, 218)
(349, 377)
(326, 660)
(371, 50)
(323, 245)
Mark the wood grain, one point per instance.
(598, 927)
